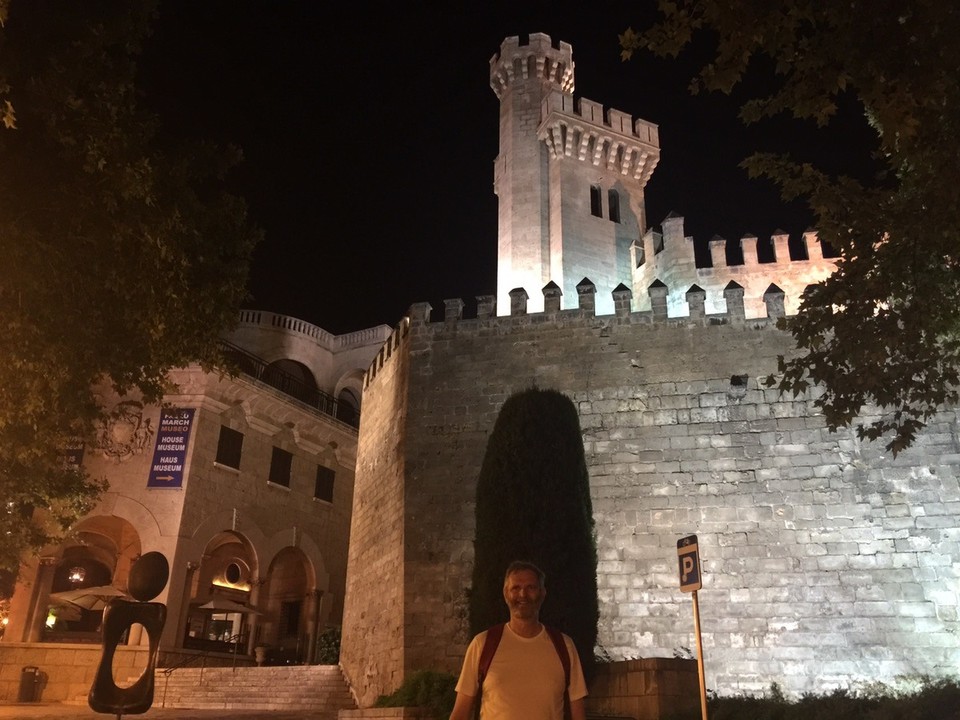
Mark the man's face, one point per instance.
(524, 594)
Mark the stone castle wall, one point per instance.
(668, 255)
(372, 652)
(825, 560)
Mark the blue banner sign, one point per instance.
(73, 453)
(170, 454)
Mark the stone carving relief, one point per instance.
(124, 432)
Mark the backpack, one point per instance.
(492, 641)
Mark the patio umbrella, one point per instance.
(228, 606)
(64, 609)
(91, 598)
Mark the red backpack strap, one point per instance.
(561, 647)
(490, 644)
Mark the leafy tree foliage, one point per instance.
(121, 258)
(533, 504)
(883, 329)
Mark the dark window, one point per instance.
(229, 447)
(348, 407)
(641, 256)
(613, 198)
(323, 490)
(289, 617)
(657, 243)
(280, 467)
(233, 573)
(595, 208)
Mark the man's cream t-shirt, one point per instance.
(525, 680)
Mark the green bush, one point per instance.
(328, 647)
(533, 503)
(928, 699)
(427, 689)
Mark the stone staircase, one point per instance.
(318, 689)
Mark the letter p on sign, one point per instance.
(689, 556)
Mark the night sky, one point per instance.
(369, 139)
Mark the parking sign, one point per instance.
(689, 558)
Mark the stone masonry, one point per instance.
(826, 561)
(373, 650)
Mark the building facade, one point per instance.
(244, 483)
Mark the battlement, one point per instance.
(420, 314)
(669, 255)
(606, 138)
(670, 241)
(393, 343)
(538, 58)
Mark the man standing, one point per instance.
(526, 677)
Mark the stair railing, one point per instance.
(190, 660)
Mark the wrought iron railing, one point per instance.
(200, 657)
(261, 370)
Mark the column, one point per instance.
(252, 639)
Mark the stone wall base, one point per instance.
(67, 670)
(400, 713)
(648, 689)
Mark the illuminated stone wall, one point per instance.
(553, 149)
(666, 254)
(825, 560)
(373, 652)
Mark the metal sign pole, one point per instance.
(700, 671)
(691, 580)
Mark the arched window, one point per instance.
(613, 200)
(348, 407)
(292, 378)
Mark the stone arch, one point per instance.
(293, 378)
(348, 406)
(290, 604)
(216, 523)
(320, 578)
(98, 553)
(138, 515)
(221, 594)
(296, 573)
(349, 394)
(351, 380)
(238, 413)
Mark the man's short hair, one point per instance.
(520, 565)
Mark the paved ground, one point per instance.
(56, 711)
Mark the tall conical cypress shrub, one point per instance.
(533, 503)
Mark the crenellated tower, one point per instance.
(569, 177)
